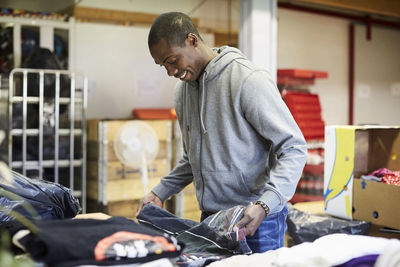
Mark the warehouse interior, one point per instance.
(89, 128)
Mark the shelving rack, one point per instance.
(73, 127)
(47, 28)
(65, 161)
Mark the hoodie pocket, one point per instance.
(224, 188)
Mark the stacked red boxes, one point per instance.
(306, 110)
(311, 184)
(299, 77)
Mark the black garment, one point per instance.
(101, 242)
(210, 240)
(49, 200)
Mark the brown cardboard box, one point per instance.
(353, 151)
(101, 134)
(111, 181)
(372, 201)
(377, 203)
(190, 204)
(115, 170)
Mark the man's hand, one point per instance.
(253, 216)
(149, 198)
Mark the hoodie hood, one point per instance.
(225, 56)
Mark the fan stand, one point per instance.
(143, 172)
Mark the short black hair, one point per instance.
(174, 27)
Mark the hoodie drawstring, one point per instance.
(203, 100)
(202, 109)
(187, 107)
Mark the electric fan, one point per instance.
(136, 146)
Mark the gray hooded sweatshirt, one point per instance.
(241, 143)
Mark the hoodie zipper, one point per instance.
(201, 141)
(201, 173)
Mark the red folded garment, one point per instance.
(392, 178)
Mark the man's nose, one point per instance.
(171, 70)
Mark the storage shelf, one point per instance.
(35, 100)
(35, 132)
(46, 164)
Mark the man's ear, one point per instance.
(192, 39)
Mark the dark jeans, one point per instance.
(269, 235)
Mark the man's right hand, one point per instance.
(149, 198)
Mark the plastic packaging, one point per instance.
(47, 200)
(306, 227)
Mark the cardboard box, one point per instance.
(119, 190)
(101, 134)
(352, 151)
(185, 204)
(115, 170)
(108, 179)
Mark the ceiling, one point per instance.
(382, 9)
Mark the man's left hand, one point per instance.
(253, 216)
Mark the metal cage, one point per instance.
(47, 128)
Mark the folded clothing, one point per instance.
(101, 242)
(386, 176)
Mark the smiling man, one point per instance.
(241, 144)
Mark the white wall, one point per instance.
(314, 42)
(122, 74)
(377, 76)
(119, 67)
(317, 42)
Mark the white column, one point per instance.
(17, 45)
(71, 44)
(258, 33)
(47, 37)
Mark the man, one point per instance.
(241, 144)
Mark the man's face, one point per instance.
(183, 63)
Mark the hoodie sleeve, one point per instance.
(264, 108)
(176, 180)
(182, 174)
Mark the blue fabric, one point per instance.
(271, 233)
(363, 261)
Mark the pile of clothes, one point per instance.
(384, 175)
(118, 240)
(52, 234)
(40, 218)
